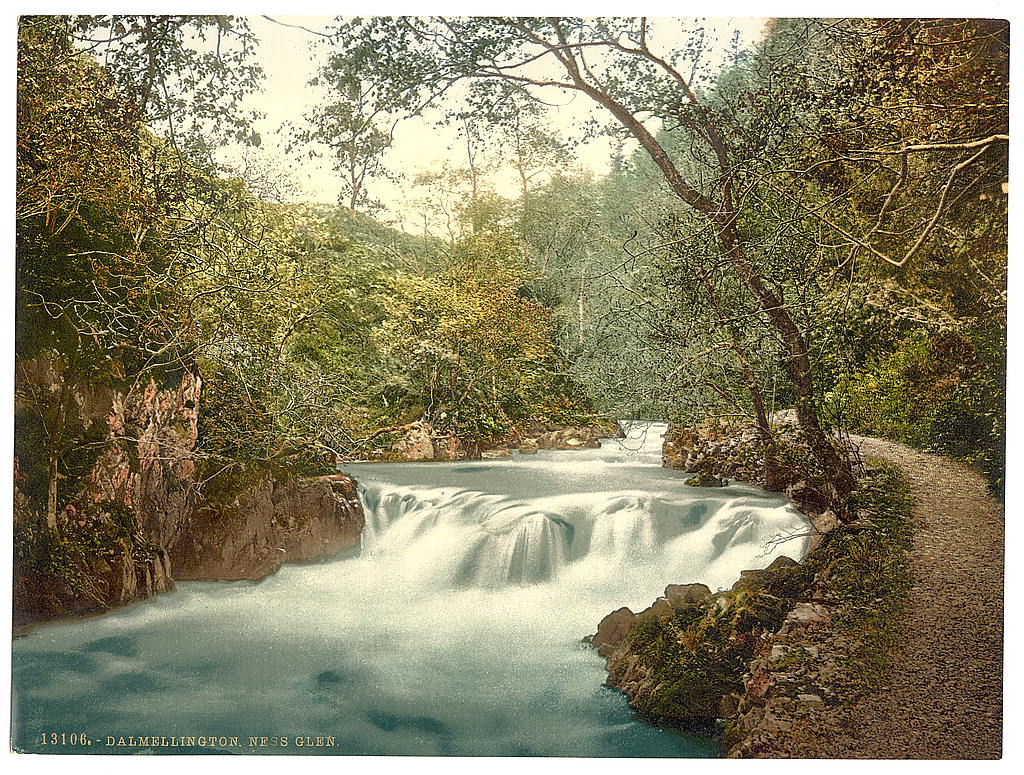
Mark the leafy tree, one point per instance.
(349, 125)
(187, 75)
(612, 62)
(476, 358)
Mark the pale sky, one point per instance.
(290, 60)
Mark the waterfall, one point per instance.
(456, 630)
(597, 514)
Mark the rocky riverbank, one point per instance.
(938, 694)
(133, 514)
(784, 644)
(420, 442)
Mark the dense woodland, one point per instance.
(821, 225)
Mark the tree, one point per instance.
(187, 75)
(613, 63)
(348, 124)
(473, 356)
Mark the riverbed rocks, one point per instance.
(420, 441)
(496, 452)
(585, 437)
(704, 479)
(760, 653)
(686, 594)
(611, 631)
(415, 442)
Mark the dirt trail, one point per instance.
(943, 692)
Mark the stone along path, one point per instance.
(942, 695)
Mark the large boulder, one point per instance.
(416, 442)
(686, 594)
(821, 525)
(268, 524)
(571, 438)
(611, 631)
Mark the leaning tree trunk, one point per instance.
(722, 215)
(836, 466)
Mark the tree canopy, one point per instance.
(818, 222)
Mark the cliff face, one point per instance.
(267, 525)
(148, 464)
(131, 515)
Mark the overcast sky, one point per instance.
(290, 59)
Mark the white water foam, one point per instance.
(454, 631)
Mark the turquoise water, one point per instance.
(455, 630)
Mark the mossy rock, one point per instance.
(704, 479)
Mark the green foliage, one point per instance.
(186, 74)
(866, 567)
(934, 391)
(92, 539)
(34, 439)
(470, 351)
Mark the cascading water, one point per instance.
(456, 630)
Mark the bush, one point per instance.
(938, 391)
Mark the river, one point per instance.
(455, 630)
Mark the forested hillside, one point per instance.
(816, 223)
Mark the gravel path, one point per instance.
(942, 697)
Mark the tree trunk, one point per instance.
(722, 214)
(52, 468)
(51, 492)
(798, 365)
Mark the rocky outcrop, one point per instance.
(148, 464)
(268, 524)
(715, 450)
(102, 562)
(132, 514)
(415, 442)
(682, 658)
(784, 645)
(611, 631)
(109, 582)
(613, 628)
(704, 479)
